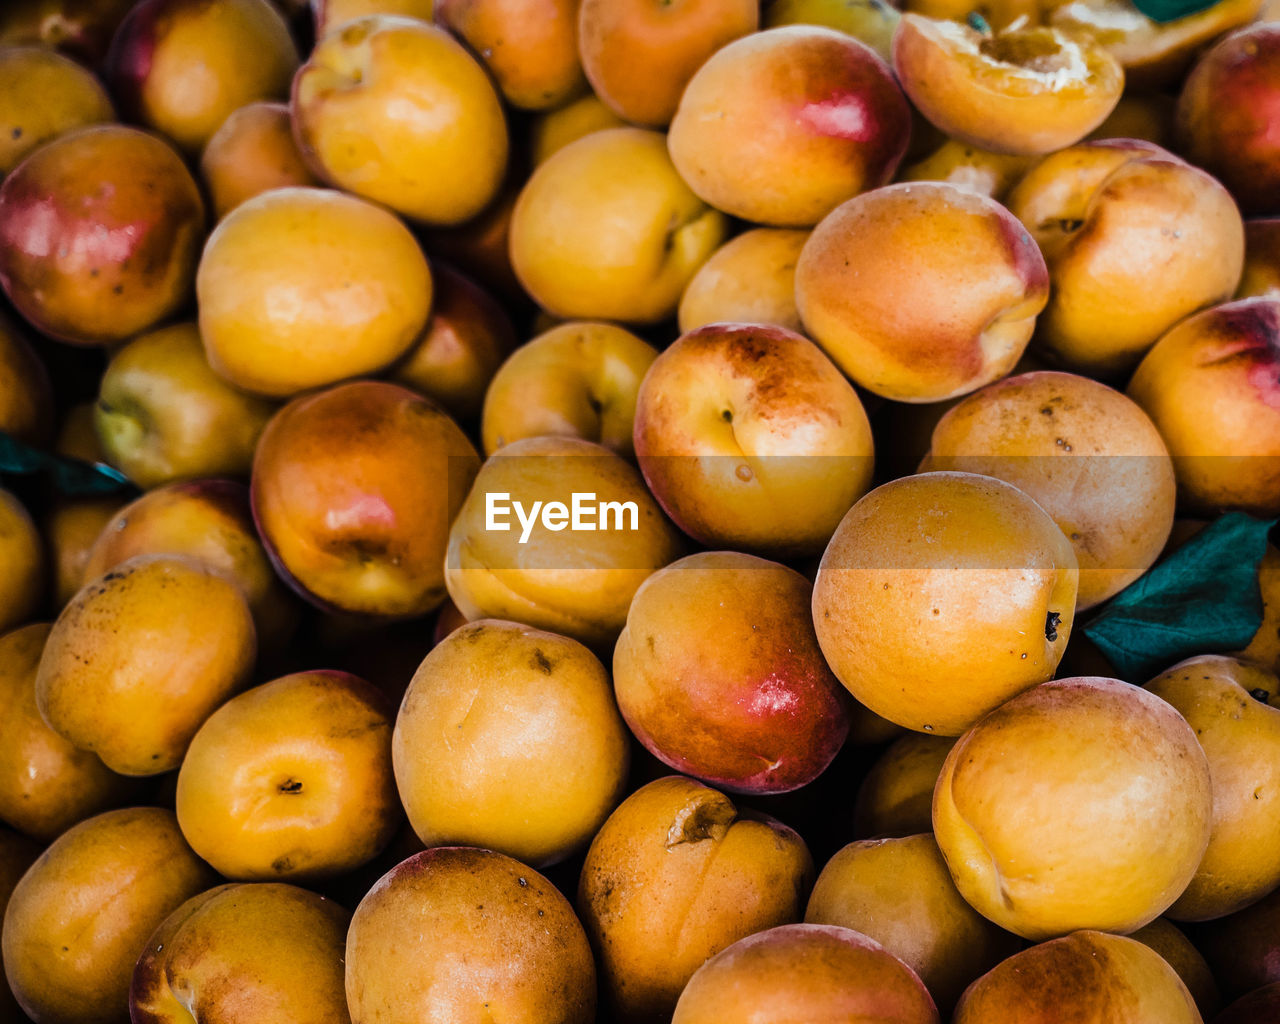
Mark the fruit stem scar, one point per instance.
(1260, 695)
(290, 786)
(1051, 626)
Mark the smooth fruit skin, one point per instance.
(1211, 385)
(895, 797)
(252, 152)
(903, 308)
(183, 66)
(17, 853)
(302, 287)
(312, 793)
(899, 893)
(1112, 217)
(467, 338)
(42, 95)
(658, 231)
(398, 111)
(509, 738)
(141, 656)
(529, 46)
(579, 379)
(208, 520)
(458, 934)
(805, 972)
(328, 14)
(46, 784)
(676, 874)
(749, 279)
(639, 55)
(719, 675)
(579, 583)
(1104, 979)
(163, 414)
(266, 953)
(354, 489)
(100, 231)
(1243, 949)
(1178, 952)
(1234, 707)
(1087, 454)
(1082, 803)
(80, 916)
(934, 635)
(752, 439)
(782, 126)
(1225, 116)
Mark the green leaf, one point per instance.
(70, 476)
(1171, 10)
(1202, 599)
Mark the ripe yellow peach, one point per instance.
(141, 656)
(805, 972)
(719, 675)
(676, 874)
(328, 14)
(578, 583)
(1234, 708)
(1154, 54)
(782, 126)
(462, 934)
(354, 489)
(210, 521)
(465, 341)
(46, 784)
(1091, 458)
(79, 918)
(312, 792)
(1211, 387)
(398, 111)
(899, 893)
(529, 46)
(1111, 218)
(269, 952)
(869, 21)
(182, 67)
(42, 95)
(941, 596)
(253, 151)
(751, 439)
(301, 287)
(509, 738)
(579, 379)
(659, 232)
(1178, 952)
(750, 279)
(163, 414)
(1104, 979)
(1083, 803)
(639, 54)
(554, 129)
(895, 797)
(921, 291)
(100, 231)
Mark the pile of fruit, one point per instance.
(556, 511)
